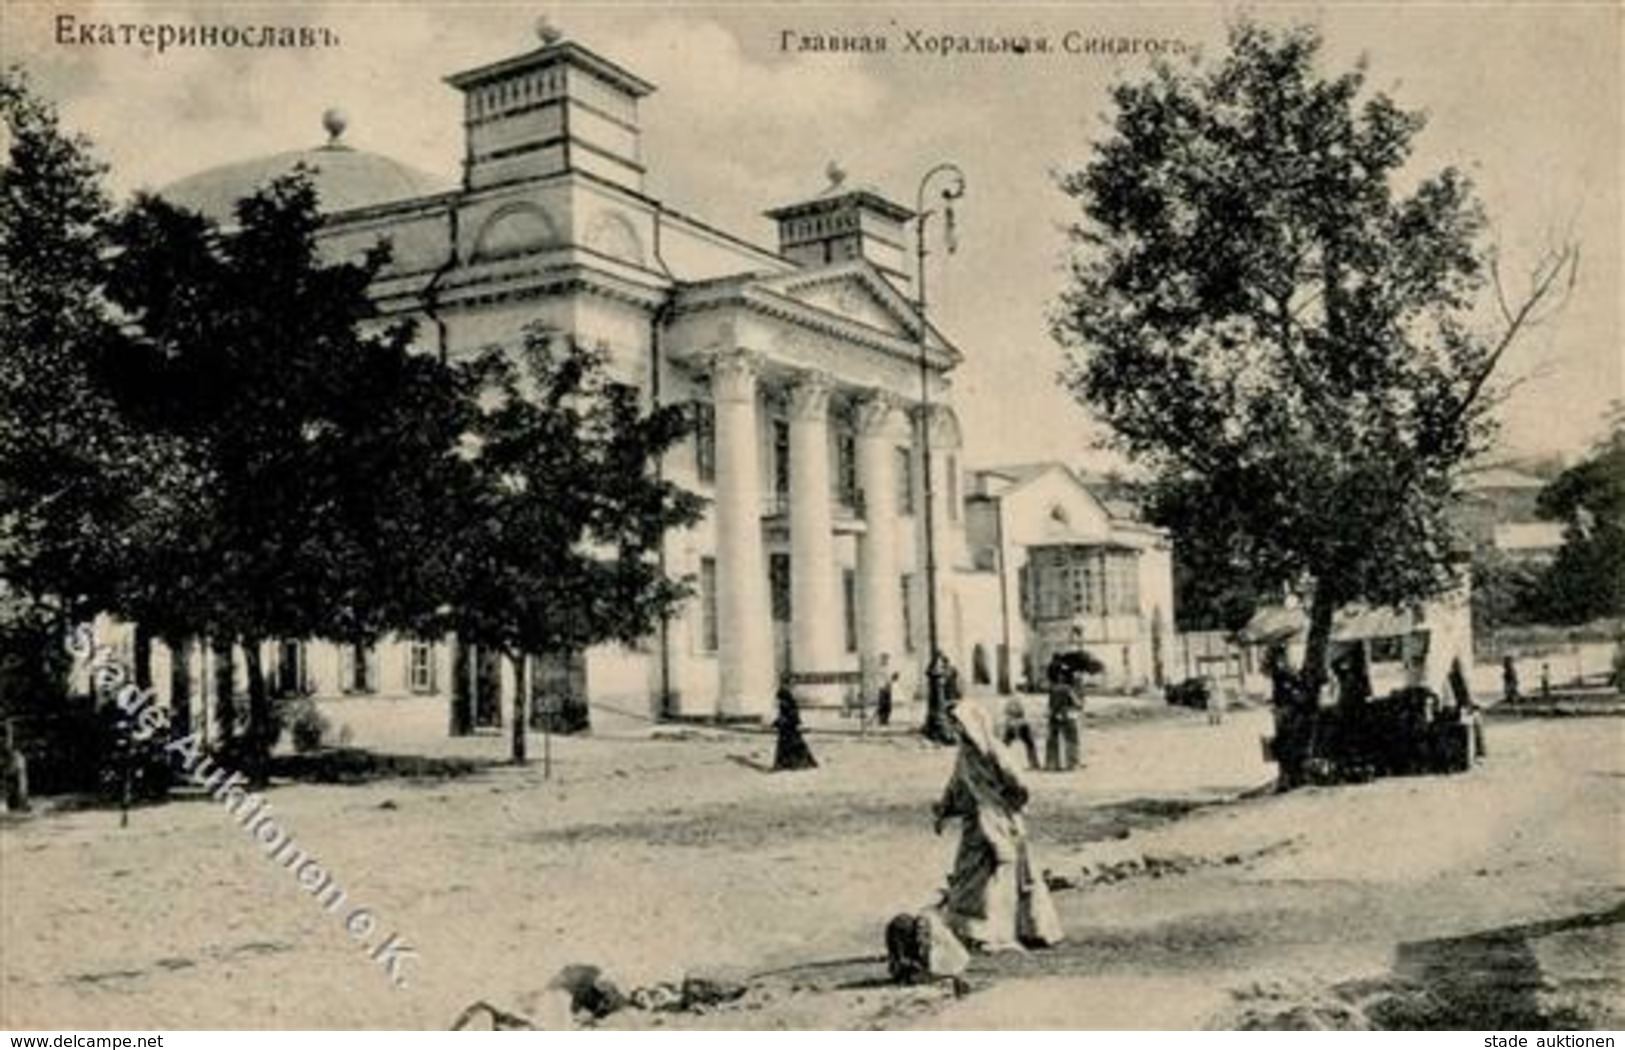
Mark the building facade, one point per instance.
(1498, 509)
(804, 364)
(1058, 567)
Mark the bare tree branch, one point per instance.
(1561, 262)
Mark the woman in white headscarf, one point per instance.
(996, 897)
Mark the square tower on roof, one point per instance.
(558, 108)
(842, 224)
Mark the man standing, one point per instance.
(1065, 708)
(883, 695)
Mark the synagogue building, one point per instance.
(815, 383)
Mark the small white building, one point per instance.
(1055, 565)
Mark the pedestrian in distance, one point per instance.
(791, 751)
(1216, 701)
(1062, 745)
(1016, 727)
(883, 699)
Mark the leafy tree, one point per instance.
(564, 512)
(1214, 587)
(63, 456)
(78, 484)
(320, 445)
(1587, 581)
(1276, 319)
(1504, 591)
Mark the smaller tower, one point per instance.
(846, 222)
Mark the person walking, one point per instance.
(791, 751)
(996, 898)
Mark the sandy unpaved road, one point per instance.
(1414, 901)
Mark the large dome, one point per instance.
(345, 178)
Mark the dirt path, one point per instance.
(655, 859)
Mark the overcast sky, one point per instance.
(1526, 98)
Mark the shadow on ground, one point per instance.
(1560, 974)
(358, 766)
(750, 822)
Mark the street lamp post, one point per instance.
(936, 726)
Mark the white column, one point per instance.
(815, 600)
(879, 596)
(745, 637)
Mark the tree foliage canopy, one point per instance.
(312, 429)
(73, 475)
(563, 512)
(1587, 580)
(1268, 314)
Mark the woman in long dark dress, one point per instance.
(792, 751)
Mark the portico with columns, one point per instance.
(812, 381)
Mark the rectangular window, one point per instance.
(846, 469)
(953, 488)
(1056, 583)
(1087, 585)
(705, 441)
(420, 667)
(781, 457)
(1123, 583)
(290, 672)
(1080, 586)
(849, 596)
(905, 480)
(708, 605)
(778, 582)
(1114, 583)
(908, 611)
(359, 674)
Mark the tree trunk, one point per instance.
(143, 658)
(225, 702)
(180, 687)
(462, 689)
(521, 708)
(260, 728)
(1319, 735)
(1317, 647)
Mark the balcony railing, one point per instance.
(848, 506)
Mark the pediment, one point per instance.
(853, 292)
(853, 299)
